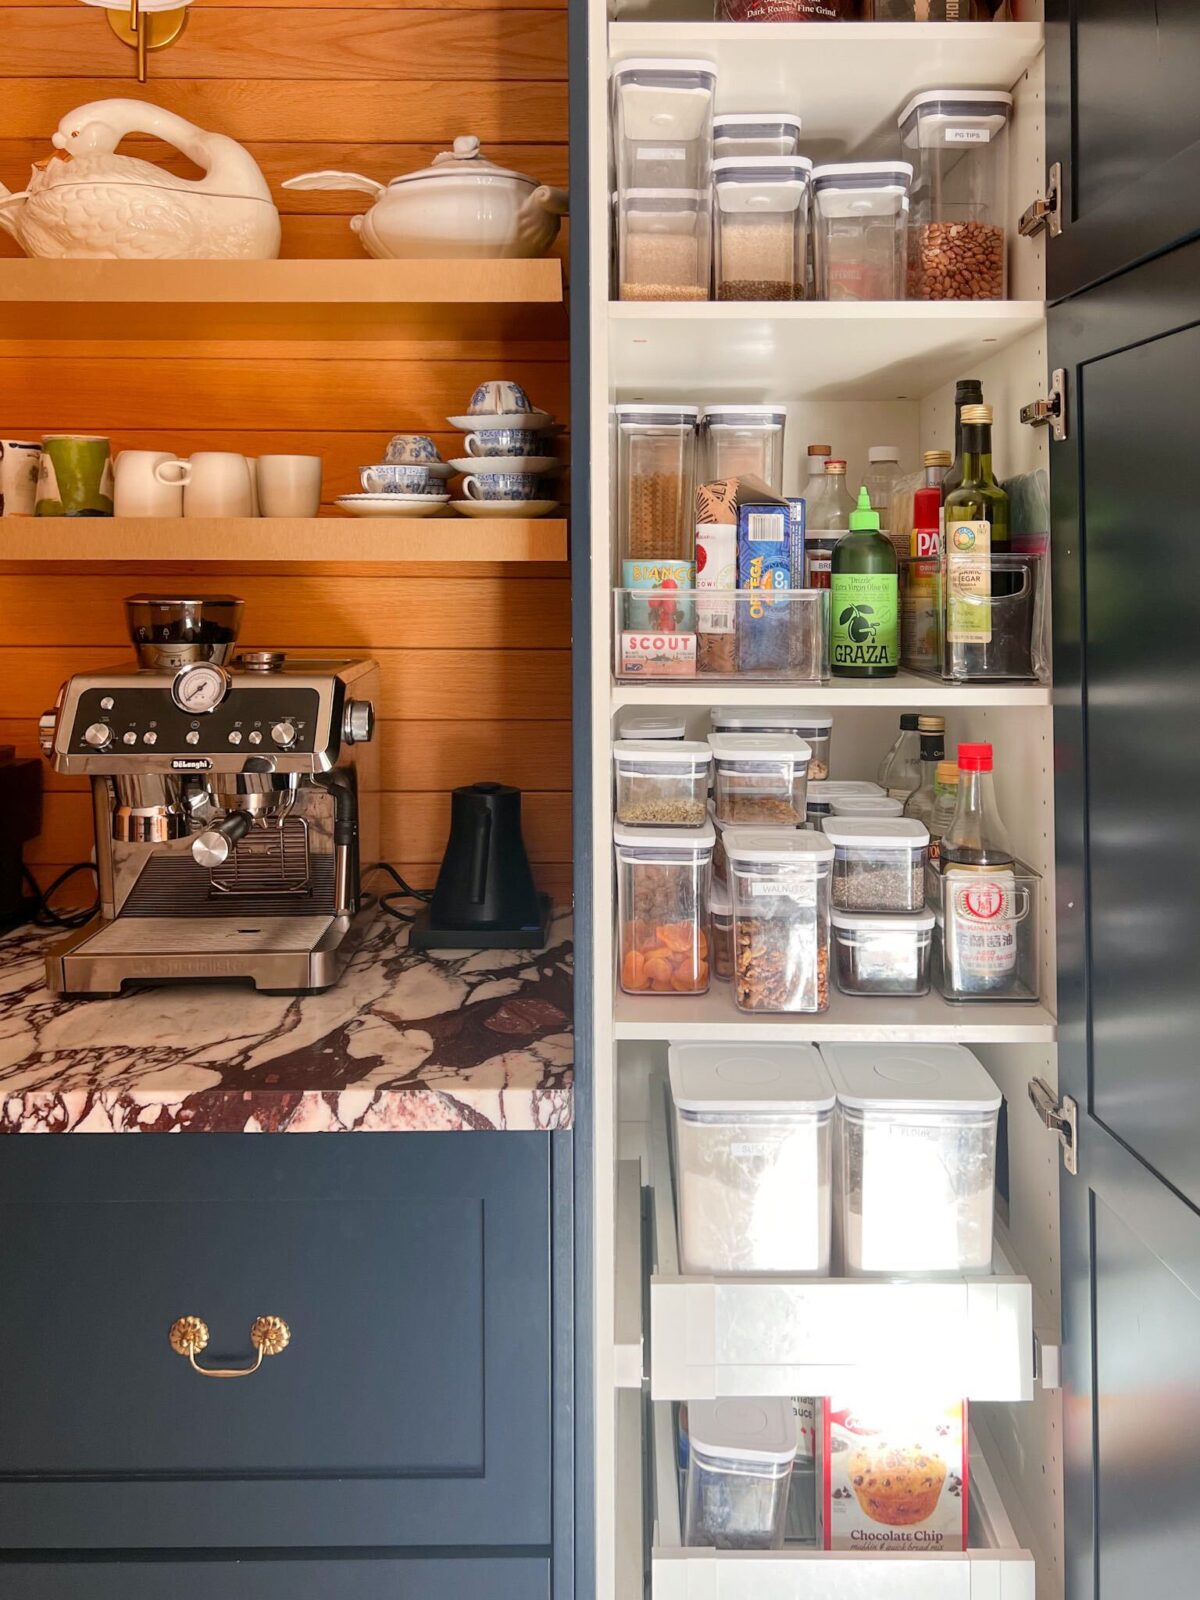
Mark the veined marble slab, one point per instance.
(406, 1041)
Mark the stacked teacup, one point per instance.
(505, 465)
(409, 482)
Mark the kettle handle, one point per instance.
(481, 851)
(335, 180)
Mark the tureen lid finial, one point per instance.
(466, 147)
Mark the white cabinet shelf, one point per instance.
(907, 690)
(815, 350)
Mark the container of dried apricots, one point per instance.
(663, 877)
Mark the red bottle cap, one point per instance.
(974, 758)
(926, 505)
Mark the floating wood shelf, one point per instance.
(347, 542)
(176, 300)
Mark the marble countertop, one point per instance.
(406, 1041)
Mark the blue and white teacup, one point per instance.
(388, 478)
(410, 450)
(503, 442)
(498, 398)
(501, 486)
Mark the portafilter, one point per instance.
(169, 631)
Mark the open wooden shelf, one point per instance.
(344, 541)
(176, 300)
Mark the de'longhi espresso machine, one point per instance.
(234, 800)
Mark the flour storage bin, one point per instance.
(662, 116)
(662, 908)
(779, 878)
(664, 244)
(739, 1466)
(760, 779)
(916, 1162)
(816, 730)
(881, 954)
(755, 133)
(878, 863)
(760, 221)
(662, 782)
(860, 223)
(743, 441)
(956, 140)
(752, 1142)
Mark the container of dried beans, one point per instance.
(661, 783)
(662, 908)
(879, 863)
(780, 884)
(760, 779)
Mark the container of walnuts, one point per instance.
(779, 880)
(663, 879)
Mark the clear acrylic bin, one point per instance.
(988, 923)
(662, 113)
(755, 133)
(815, 729)
(780, 637)
(993, 615)
(874, 954)
(860, 229)
(878, 863)
(739, 1466)
(760, 217)
(780, 884)
(662, 908)
(759, 779)
(664, 244)
(662, 783)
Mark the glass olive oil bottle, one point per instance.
(976, 530)
(864, 606)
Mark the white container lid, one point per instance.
(755, 119)
(672, 64)
(799, 846)
(907, 1077)
(885, 832)
(720, 901)
(868, 921)
(701, 838)
(883, 452)
(662, 750)
(867, 805)
(745, 1430)
(725, 167)
(749, 1077)
(759, 747)
(660, 411)
(824, 791)
(989, 108)
(651, 727)
(770, 416)
(755, 719)
(850, 174)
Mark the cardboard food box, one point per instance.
(744, 538)
(895, 1476)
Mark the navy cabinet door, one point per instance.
(494, 1577)
(411, 1408)
(1123, 121)
(1127, 675)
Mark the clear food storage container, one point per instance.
(664, 244)
(656, 488)
(760, 779)
(824, 795)
(652, 728)
(876, 954)
(740, 441)
(814, 729)
(956, 141)
(662, 908)
(752, 1141)
(860, 222)
(866, 805)
(739, 1466)
(662, 783)
(987, 919)
(760, 218)
(916, 1129)
(780, 884)
(662, 114)
(755, 133)
(878, 863)
(721, 920)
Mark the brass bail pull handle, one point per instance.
(189, 1336)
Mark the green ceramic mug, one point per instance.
(76, 477)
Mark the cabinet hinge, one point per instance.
(1044, 213)
(1061, 1117)
(1052, 411)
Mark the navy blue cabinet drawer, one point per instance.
(480, 1578)
(411, 1406)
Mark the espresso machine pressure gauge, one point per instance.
(200, 686)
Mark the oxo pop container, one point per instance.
(721, 921)
(662, 907)
(816, 730)
(823, 796)
(860, 225)
(916, 1165)
(664, 244)
(760, 779)
(662, 782)
(743, 441)
(779, 878)
(956, 140)
(662, 114)
(882, 954)
(866, 805)
(755, 133)
(739, 1468)
(760, 218)
(656, 488)
(666, 727)
(878, 863)
(752, 1140)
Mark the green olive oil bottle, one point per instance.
(864, 616)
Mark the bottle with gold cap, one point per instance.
(932, 734)
(864, 602)
(936, 464)
(976, 520)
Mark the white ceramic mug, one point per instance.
(216, 483)
(289, 486)
(138, 492)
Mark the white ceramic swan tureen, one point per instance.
(462, 206)
(88, 202)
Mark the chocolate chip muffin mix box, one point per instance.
(894, 1477)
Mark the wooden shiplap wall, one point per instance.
(475, 661)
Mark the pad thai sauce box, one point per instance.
(895, 1476)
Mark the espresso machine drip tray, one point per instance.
(174, 886)
(164, 938)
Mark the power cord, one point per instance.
(44, 915)
(404, 891)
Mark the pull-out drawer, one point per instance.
(410, 1407)
(491, 1578)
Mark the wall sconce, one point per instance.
(144, 25)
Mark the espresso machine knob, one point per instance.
(215, 846)
(358, 723)
(284, 733)
(98, 735)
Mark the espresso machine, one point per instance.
(234, 800)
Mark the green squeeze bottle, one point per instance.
(864, 615)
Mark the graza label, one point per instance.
(864, 629)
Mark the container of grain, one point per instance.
(878, 863)
(664, 244)
(761, 222)
(662, 783)
(760, 779)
